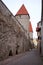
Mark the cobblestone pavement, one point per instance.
(28, 58)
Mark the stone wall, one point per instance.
(12, 38)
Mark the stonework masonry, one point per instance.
(12, 38)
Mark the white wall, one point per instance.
(24, 20)
(31, 35)
(38, 33)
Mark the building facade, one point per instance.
(38, 29)
(42, 30)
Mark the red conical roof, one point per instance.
(30, 27)
(22, 11)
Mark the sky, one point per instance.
(33, 7)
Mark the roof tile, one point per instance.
(22, 11)
(30, 27)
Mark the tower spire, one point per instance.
(22, 11)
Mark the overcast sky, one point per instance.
(33, 7)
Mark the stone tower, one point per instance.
(23, 17)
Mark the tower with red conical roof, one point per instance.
(24, 19)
